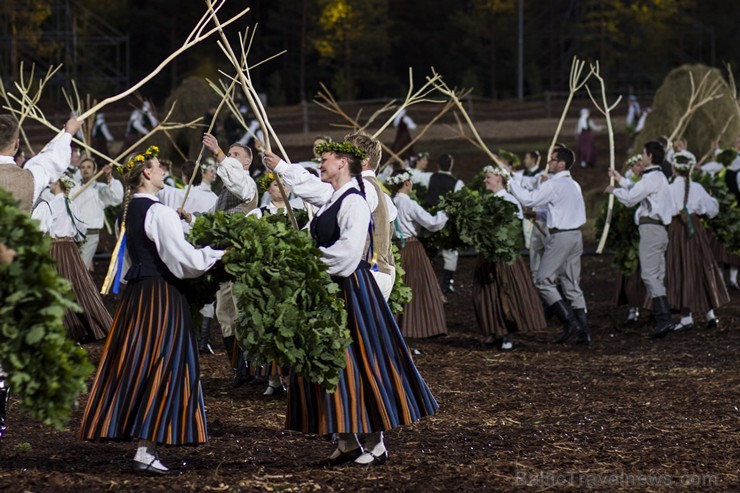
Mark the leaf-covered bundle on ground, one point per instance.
(483, 221)
(288, 308)
(46, 370)
(725, 225)
(623, 238)
(400, 293)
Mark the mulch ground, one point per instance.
(625, 413)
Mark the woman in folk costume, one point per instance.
(404, 124)
(586, 141)
(147, 387)
(59, 219)
(693, 278)
(504, 297)
(380, 388)
(424, 315)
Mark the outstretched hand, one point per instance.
(270, 159)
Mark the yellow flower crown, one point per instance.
(151, 152)
(266, 180)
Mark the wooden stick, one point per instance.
(605, 110)
(699, 97)
(575, 83)
(719, 137)
(195, 37)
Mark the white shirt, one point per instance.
(48, 165)
(200, 200)
(562, 197)
(510, 198)
(528, 182)
(353, 218)
(294, 204)
(94, 199)
(412, 217)
(652, 193)
(236, 179)
(700, 202)
(54, 219)
(711, 168)
(137, 121)
(420, 177)
(162, 226)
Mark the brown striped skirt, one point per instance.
(424, 315)
(630, 290)
(94, 321)
(505, 299)
(721, 254)
(147, 386)
(693, 278)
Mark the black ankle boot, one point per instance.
(662, 313)
(448, 283)
(566, 316)
(584, 335)
(204, 343)
(240, 375)
(4, 394)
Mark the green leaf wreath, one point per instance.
(45, 368)
(289, 311)
(725, 225)
(623, 238)
(483, 221)
(400, 293)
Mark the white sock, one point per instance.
(710, 315)
(688, 320)
(374, 447)
(145, 452)
(733, 275)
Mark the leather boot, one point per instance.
(662, 313)
(4, 394)
(566, 316)
(448, 283)
(240, 375)
(584, 335)
(204, 343)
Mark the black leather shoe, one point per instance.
(566, 317)
(713, 324)
(338, 457)
(662, 315)
(238, 378)
(271, 391)
(151, 468)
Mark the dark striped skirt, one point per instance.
(380, 388)
(505, 299)
(721, 254)
(630, 290)
(424, 315)
(147, 385)
(693, 278)
(94, 321)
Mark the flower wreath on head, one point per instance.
(497, 170)
(68, 182)
(634, 160)
(399, 179)
(151, 152)
(266, 180)
(683, 160)
(341, 148)
(727, 156)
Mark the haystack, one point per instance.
(670, 104)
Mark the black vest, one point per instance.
(439, 185)
(324, 228)
(731, 180)
(145, 261)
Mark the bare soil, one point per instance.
(625, 413)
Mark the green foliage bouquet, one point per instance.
(725, 225)
(623, 238)
(45, 368)
(483, 221)
(400, 293)
(288, 308)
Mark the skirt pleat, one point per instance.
(630, 290)
(380, 388)
(147, 384)
(424, 315)
(94, 321)
(693, 278)
(721, 254)
(505, 299)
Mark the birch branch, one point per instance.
(699, 97)
(719, 137)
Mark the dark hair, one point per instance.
(8, 131)
(565, 155)
(187, 170)
(369, 145)
(533, 154)
(663, 141)
(655, 151)
(89, 158)
(394, 188)
(445, 162)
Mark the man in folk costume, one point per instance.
(101, 135)
(653, 215)
(383, 213)
(26, 184)
(140, 123)
(239, 196)
(91, 204)
(566, 213)
(441, 183)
